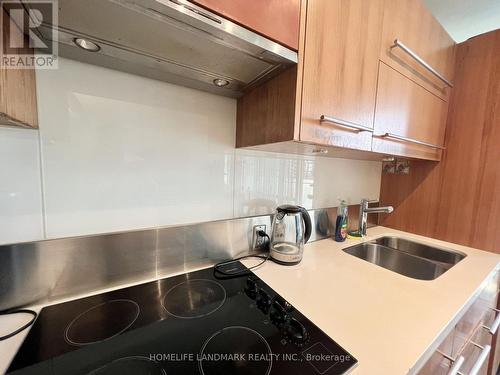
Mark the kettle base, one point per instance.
(283, 263)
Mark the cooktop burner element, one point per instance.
(235, 350)
(190, 324)
(113, 317)
(194, 298)
(130, 366)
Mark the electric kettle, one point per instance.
(291, 230)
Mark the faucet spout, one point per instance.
(379, 210)
(364, 210)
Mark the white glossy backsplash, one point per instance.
(20, 187)
(123, 152)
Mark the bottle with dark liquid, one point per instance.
(341, 222)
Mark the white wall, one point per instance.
(117, 151)
(464, 19)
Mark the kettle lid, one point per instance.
(289, 209)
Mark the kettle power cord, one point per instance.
(19, 330)
(247, 271)
(217, 269)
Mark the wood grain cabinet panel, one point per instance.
(336, 76)
(340, 70)
(276, 19)
(267, 113)
(411, 23)
(406, 109)
(18, 106)
(343, 76)
(458, 199)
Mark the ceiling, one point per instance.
(464, 19)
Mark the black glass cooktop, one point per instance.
(194, 323)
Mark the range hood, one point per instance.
(169, 40)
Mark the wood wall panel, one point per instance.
(458, 199)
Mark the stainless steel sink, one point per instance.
(406, 257)
(447, 257)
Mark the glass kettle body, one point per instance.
(291, 230)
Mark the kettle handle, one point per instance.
(307, 223)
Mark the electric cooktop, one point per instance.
(195, 323)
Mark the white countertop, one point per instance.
(386, 320)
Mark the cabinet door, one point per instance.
(472, 353)
(412, 24)
(18, 105)
(438, 364)
(480, 314)
(340, 71)
(275, 19)
(469, 331)
(405, 109)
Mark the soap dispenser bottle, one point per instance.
(341, 222)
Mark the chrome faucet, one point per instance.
(364, 210)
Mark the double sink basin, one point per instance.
(408, 258)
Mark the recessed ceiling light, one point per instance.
(219, 82)
(86, 44)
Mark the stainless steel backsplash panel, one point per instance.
(43, 271)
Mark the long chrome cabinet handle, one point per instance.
(417, 58)
(480, 360)
(347, 124)
(410, 140)
(456, 365)
(494, 327)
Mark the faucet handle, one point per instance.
(365, 202)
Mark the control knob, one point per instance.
(264, 301)
(278, 314)
(285, 304)
(296, 332)
(251, 288)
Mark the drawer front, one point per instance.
(405, 109)
(413, 25)
(472, 353)
(438, 364)
(480, 313)
(468, 336)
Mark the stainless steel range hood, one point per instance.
(169, 40)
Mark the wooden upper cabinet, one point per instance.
(276, 19)
(351, 90)
(416, 28)
(405, 109)
(340, 71)
(18, 106)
